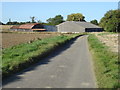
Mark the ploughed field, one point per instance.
(109, 39)
(12, 39)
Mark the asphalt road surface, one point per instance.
(70, 66)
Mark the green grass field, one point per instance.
(21, 56)
(105, 64)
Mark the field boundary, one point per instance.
(105, 63)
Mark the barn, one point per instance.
(29, 27)
(78, 26)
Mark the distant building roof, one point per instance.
(81, 24)
(27, 26)
(33, 26)
(78, 26)
(15, 27)
(87, 25)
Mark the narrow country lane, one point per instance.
(68, 67)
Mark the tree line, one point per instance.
(50, 21)
(110, 21)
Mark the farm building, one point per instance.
(30, 27)
(73, 26)
(50, 28)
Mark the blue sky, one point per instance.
(21, 11)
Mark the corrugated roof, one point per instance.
(25, 26)
(81, 24)
(15, 27)
(87, 25)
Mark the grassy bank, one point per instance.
(21, 56)
(107, 33)
(105, 63)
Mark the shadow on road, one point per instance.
(43, 61)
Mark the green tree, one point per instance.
(75, 17)
(12, 23)
(56, 20)
(94, 22)
(111, 21)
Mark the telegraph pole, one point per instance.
(118, 23)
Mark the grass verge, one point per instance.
(107, 33)
(21, 56)
(105, 63)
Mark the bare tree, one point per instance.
(9, 19)
(32, 19)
